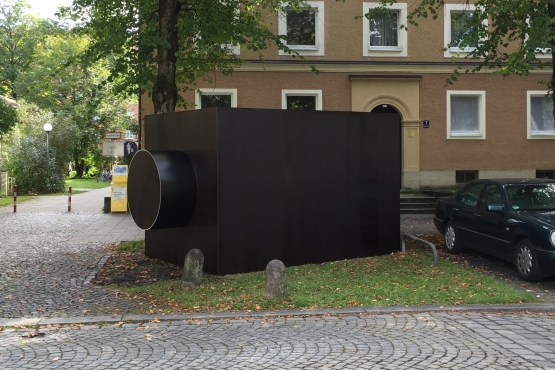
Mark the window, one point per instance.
(470, 196)
(540, 39)
(382, 35)
(466, 117)
(303, 29)
(540, 115)
(131, 114)
(301, 99)
(457, 18)
(462, 177)
(211, 98)
(128, 135)
(492, 197)
(545, 174)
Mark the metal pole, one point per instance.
(69, 200)
(15, 198)
(47, 156)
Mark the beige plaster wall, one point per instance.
(343, 36)
(505, 147)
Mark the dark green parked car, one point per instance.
(513, 219)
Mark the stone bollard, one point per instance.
(276, 281)
(192, 270)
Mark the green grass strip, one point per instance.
(6, 201)
(86, 184)
(396, 279)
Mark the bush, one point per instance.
(29, 167)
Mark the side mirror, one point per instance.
(495, 208)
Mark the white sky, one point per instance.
(47, 8)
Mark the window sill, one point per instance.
(463, 50)
(466, 134)
(303, 47)
(384, 48)
(545, 133)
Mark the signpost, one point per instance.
(112, 135)
(112, 148)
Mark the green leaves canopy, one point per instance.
(8, 118)
(19, 33)
(161, 44)
(84, 108)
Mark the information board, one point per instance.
(119, 188)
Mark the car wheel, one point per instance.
(452, 244)
(526, 261)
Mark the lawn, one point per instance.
(6, 201)
(86, 184)
(396, 279)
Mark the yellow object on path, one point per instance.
(119, 188)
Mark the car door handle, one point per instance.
(478, 215)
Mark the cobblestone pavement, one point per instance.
(420, 341)
(44, 274)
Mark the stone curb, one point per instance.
(95, 271)
(494, 308)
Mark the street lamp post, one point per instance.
(47, 129)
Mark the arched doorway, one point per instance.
(388, 108)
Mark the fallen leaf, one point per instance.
(55, 359)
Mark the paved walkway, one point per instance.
(48, 258)
(419, 341)
(108, 228)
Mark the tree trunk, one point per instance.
(78, 166)
(164, 91)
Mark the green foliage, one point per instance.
(143, 53)
(83, 108)
(28, 165)
(19, 34)
(8, 118)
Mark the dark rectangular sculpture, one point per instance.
(298, 186)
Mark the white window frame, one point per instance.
(546, 135)
(233, 49)
(481, 115)
(541, 53)
(385, 51)
(316, 93)
(208, 91)
(447, 10)
(314, 50)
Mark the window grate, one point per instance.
(462, 177)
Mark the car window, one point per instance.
(540, 197)
(459, 198)
(491, 196)
(470, 196)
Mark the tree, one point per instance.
(8, 120)
(81, 104)
(19, 34)
(30, 169)
(507, 36)
(164, 46)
